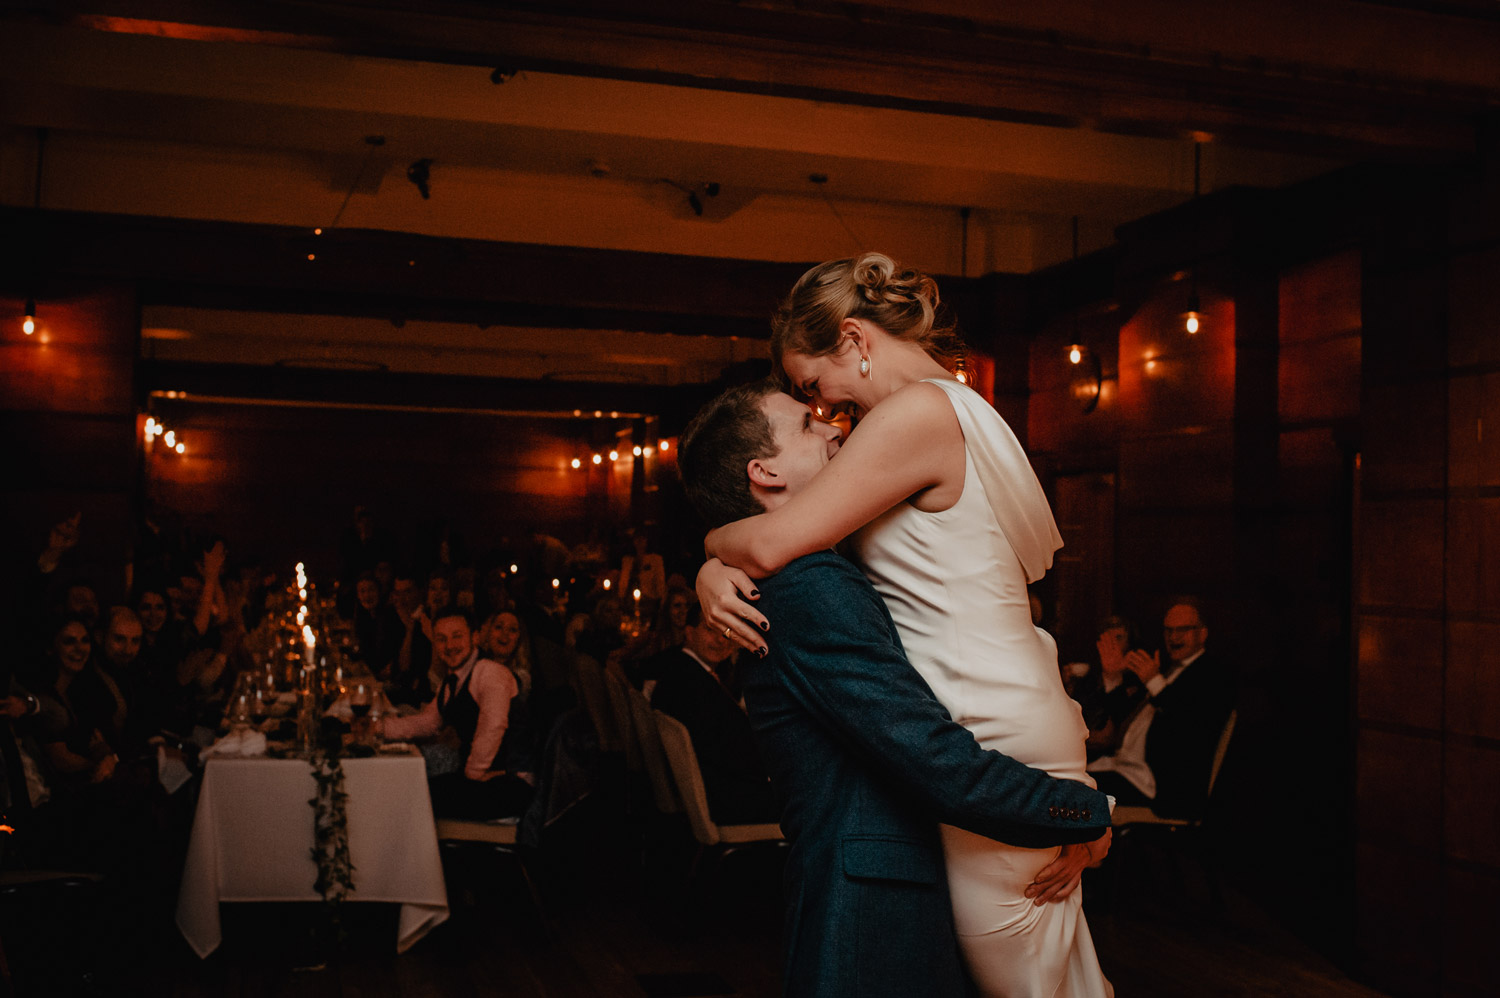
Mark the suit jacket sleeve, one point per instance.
(837, 650)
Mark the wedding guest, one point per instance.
(667, 632)
(1167, 748)
(643, 570)
(74, 748)
(378, 628)
(476, 700)
(691, 690)
(1108, 692)
(503, 639)
(416, 672)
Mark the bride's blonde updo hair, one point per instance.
(872, 287)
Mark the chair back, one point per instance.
(653, 756)
(588, 680)
(615, 685)
(678, 745)
(1221, 750)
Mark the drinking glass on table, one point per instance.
(363, 693)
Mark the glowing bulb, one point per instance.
(317, 232)
(28, 323)
(170, 439)
(598, 459)
(614, 455)
(635, 593)
(577, 463)
(302, 592)
(556, 583)
(1075, 354)
(666, 445)
(180, 448)
(312, 256)
(636, 450)
(513, 569)
(606, 585)
(1192, 322)
(300, 568)
(150, 427)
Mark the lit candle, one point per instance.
(310, 645)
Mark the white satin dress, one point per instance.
(955, 583)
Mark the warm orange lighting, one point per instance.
(963, 378)
(666, 445)
(636, 450)
(8, 829)
(150, 426)
(180, 448)
(577, 463)
(606, 585)
(170, 439)
(312, 256)
(317, 232)
(1075, 354)
(598, 458)
(556, 583)
(614, 455)
(1192, 322)
(28, 323)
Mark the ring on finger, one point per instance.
(727, 629)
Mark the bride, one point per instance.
(938, 505)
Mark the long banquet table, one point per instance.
(253, 833)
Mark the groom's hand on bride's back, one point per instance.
(1061, 877)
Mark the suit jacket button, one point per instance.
(1085, 814)
(1052, 811)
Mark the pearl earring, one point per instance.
(864, 367)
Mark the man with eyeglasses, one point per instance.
(1167, 751)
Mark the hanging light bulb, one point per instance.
(1075, 354)
(636, 450)
(598, 458)
(1190, 317)
(28, 324)
(181, 447)
(577, 463)
(170, 439)
(614, 455)
(150, 427)
(665, 445)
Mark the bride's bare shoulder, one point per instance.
(919, 404)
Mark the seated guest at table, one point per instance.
(643, 570)
(68, 724)
(667, 632)
(1109, 693)
(418, 667)
(690, 689)
(503, 639)
(378, 629)
(101, 687)
(476, 700)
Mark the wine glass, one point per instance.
(362, 692)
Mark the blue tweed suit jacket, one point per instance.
(867, 762)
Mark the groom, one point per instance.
(864, 758)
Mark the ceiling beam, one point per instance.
(1241, 73)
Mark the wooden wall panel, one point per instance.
(1472, 679)
(1399, 919)
(67, 417)
(281, 482)
(1402, 671)
(1399, 790)
(1401, 553)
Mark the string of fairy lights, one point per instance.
(615, 454)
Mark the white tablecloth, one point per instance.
(253, 834)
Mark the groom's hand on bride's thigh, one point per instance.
(1061, 877)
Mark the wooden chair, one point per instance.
(588, 683)
(723, 839)
(653, 756)
(1130, 820)
(497, 836)
(615, 685)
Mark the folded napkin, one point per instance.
(171, 769)
(240, 743)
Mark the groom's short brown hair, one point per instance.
(723, 438)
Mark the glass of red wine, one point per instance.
(363, 692)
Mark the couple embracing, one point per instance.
(930, 765)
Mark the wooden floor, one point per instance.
(615, 926)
